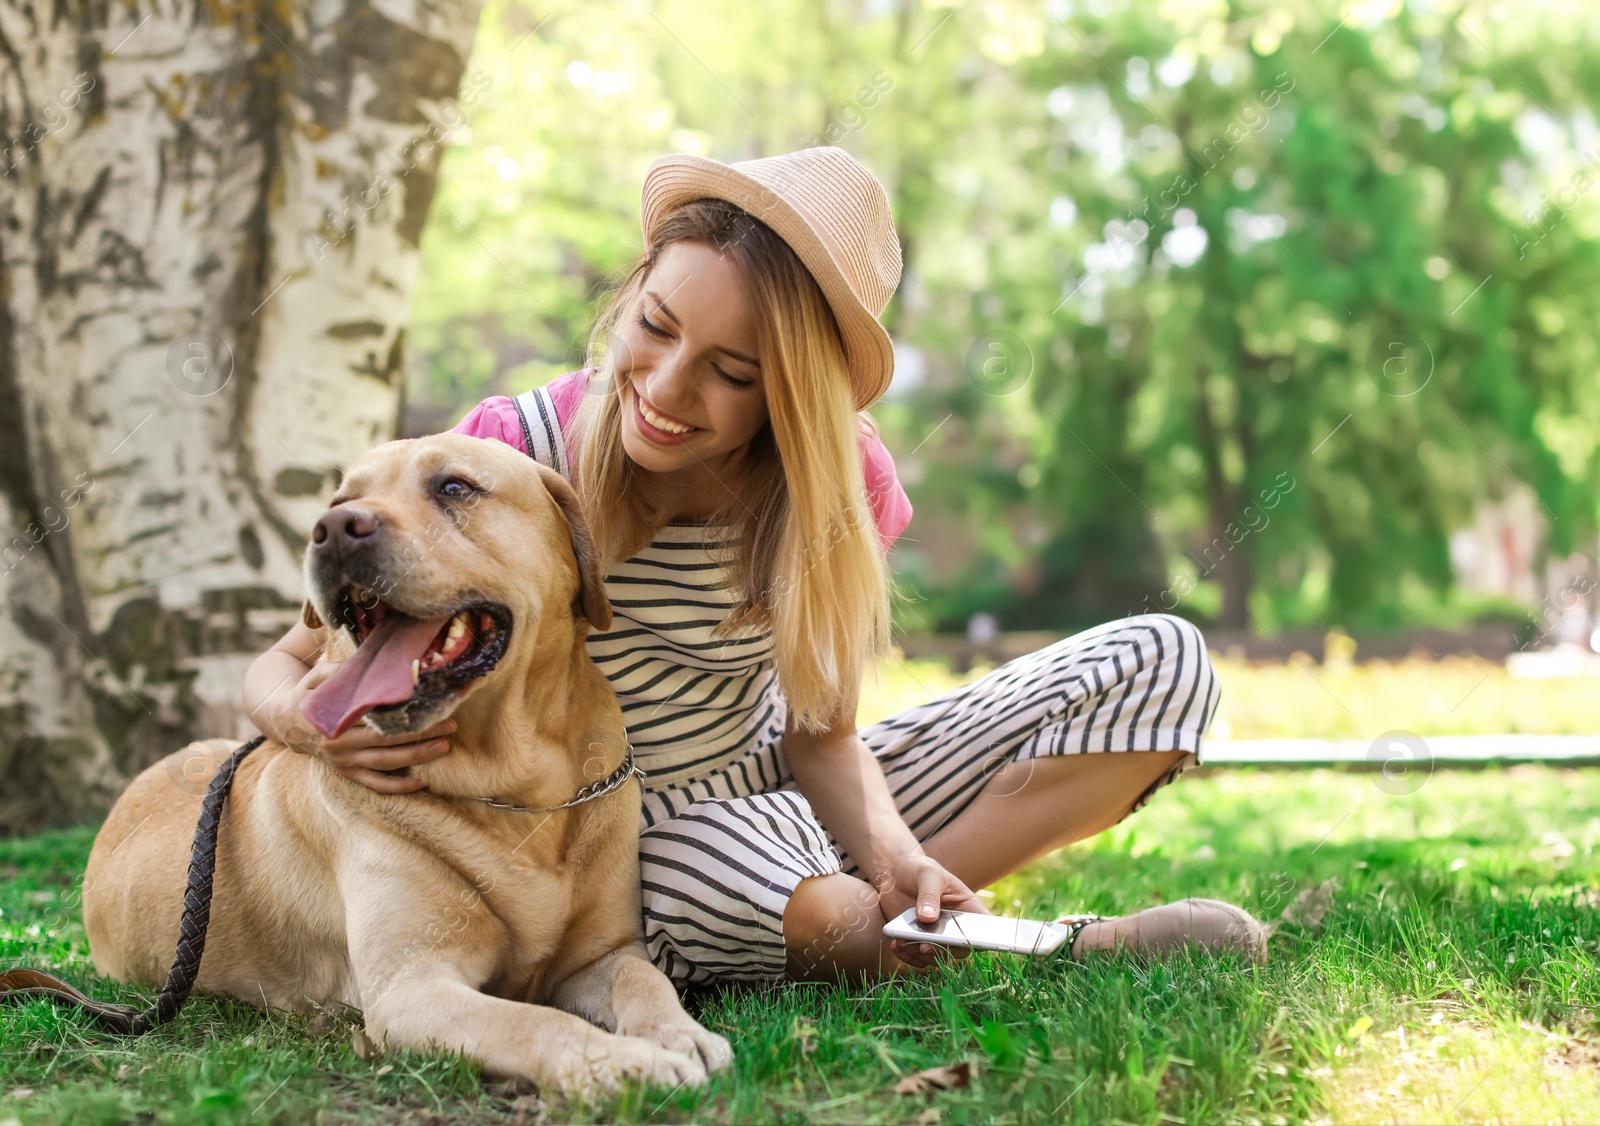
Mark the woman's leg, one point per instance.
(1046, 750)
(1051, 747)
(833, 932)
(1027, 810)
(715, 877)
(1033, 807)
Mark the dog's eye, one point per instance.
(456, 488)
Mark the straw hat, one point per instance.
(834, 214)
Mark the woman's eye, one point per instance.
(645, 324)
(456, 488)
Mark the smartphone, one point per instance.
(980, 932)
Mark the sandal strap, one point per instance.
(1075, 925)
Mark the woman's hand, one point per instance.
(921, 880)
(837, 774)
(360, 754)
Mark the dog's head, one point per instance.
(433, 554)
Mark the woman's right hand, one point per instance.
(360, 753)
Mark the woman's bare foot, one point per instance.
(1213, 925)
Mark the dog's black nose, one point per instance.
(346, 524)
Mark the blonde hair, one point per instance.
(806, 562)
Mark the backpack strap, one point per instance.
(541, 432)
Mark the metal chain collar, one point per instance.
(593, 790)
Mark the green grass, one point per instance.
(1453, 979)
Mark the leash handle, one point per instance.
(21, 984)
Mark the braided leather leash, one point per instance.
(20, 984)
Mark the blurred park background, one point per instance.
(1207, 306)
(1278, 316)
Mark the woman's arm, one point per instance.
(850, 796)
(271, 679)
(277, 683)
(845, 785)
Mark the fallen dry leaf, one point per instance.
(936, 1079)
(929, 1117)
(362, 1044)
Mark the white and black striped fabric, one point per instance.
(690, 702)
(725, 834)
(717, 874)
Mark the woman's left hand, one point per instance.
(921, 880)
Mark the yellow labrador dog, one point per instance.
(461, 579)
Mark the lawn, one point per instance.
(1452, 979)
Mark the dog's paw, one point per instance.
(686, 1036)
(622, 1058)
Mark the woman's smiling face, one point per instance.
(687, 356)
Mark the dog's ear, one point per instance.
(591, 602)
(308, 615)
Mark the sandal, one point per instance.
(1213, 925)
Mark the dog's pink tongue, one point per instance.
(379, 672)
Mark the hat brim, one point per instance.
(677, 178)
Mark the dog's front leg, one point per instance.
(432, 1006)
(627, 993)
(420, 963)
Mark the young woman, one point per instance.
(744, 507)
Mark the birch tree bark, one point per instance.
(209, 217)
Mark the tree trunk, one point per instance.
(1226, 558)
(209, 217)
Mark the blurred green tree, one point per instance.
(1231, 309)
